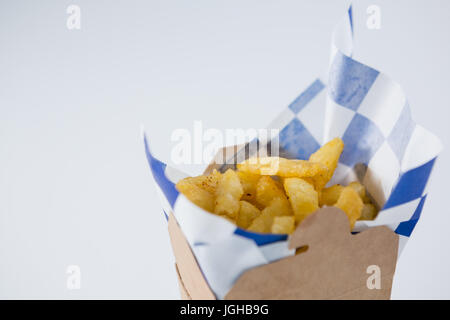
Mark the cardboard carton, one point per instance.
(333, 263)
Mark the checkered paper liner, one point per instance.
(384, 149)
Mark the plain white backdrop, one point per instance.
(75, 188)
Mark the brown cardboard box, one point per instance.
(333, 264)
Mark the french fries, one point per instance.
(208, 182)
(262, 223)
(247, 213)
(197, 195)
(283, 225)
(328, 156)
(350, 202)
(248, 182)
(274, 195)
(359, 188)
(267, 190)
(302, 196)
(228, 194)
(329, 196)
(275, 166)
(368, 212)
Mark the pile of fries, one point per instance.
(274, 195)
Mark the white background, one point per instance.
(75, 187)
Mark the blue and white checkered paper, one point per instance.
(384, 149)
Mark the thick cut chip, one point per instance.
(361, 190)
(247, 213)
(228, 193)
(329, 196)
(276, 208)
(369, 212)
(248, 182)
(358, 187)
(210, 182)
(197, 195)
(278, 181)
(303, 197)
(283, 225)
(275, 166)
(350, 202)
(262, 223)
(327, 155)
(206, 182)
(267, 190)
(279, 207)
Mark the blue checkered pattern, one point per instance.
(401, 133)
(349, 81)
(362, 139)
(296, 141)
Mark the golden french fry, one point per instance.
(329, 196)
(206, 182)
(247, 213)
(262, 223)
(197, 195)
(361, 190)
(267, 190)
(302, 196)
(279, 182)
(327, 155)
(358, 187)
(248, 182)
(283, 225)
(228, 193)
(277, 207)
(350, 202)
(275, 166)
(211, 181)
(369, 212)
(269, 193)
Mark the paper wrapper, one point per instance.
(384, 149)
